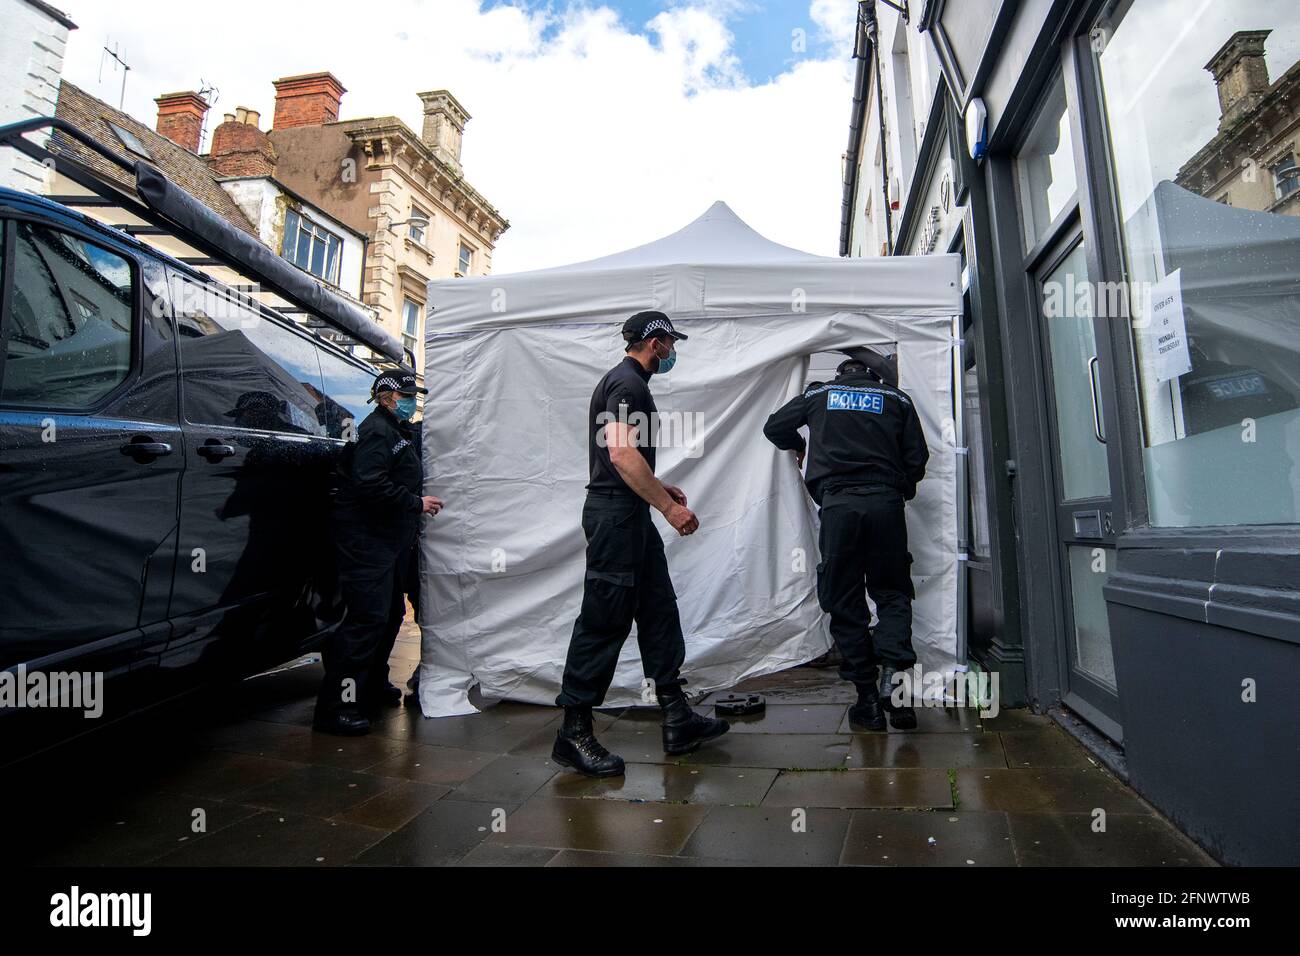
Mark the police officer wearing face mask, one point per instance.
(376, 516)
(627, 573)
(868, 454)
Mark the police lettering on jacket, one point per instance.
(862, 431)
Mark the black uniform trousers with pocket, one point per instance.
(863, 540)
(372, 571)
(627, 580)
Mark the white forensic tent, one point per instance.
(510, 364)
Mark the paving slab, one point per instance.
(448, 766)
(506, 780)
(492, 854)
(396, 807)
(137, 832)
(920, 749)
(861, 788)
(612, 825)
(668, 783)
(903, 838)
(773, 835)
(788, 719)
(219, 774)
(438, 836)
(1069, 839)
(1043, 747)
(1065, 790)
(495, 730)
(587, 858)
(317, 791)
(272, 838)
(778, 751)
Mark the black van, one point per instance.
(166, 446)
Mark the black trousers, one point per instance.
(372, 572)
(627, 580)
(864, 539)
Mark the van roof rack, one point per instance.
(162, 210)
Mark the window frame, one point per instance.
(9, 224)
(415, 335)
(462, 247)
(422, 239)
(317, 231)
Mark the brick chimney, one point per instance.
(444, 124)
(239, 148)
(180, 118)
(307, 100)
(1240, 73)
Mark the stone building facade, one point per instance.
(375, 175)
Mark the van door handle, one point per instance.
(142, 449)
(215, 452)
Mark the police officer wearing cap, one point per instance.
(378, 504)
(868, 454)
(627, 573)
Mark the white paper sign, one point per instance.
(1166, 350)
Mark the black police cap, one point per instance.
(646, 325)
(398, 380)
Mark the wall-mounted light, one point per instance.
(977, 129)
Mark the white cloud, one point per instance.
(587, 133)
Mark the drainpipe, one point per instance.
(873, 31)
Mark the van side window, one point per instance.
(346, 390)
(242, 369)
(69, 326)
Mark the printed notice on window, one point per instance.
(1166, 350)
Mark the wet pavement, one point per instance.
(237, 777)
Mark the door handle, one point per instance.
(142, 449)
(214, 451)
(1096, 405)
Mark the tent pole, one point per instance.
(963, 488)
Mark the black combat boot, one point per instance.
(343, 723)
(867, 712)
(684, 729)
(900, 717)
(577, 748)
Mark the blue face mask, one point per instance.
(405, 408)
(666, 364)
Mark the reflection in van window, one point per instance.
(239, 368)
(346, 390)
(68, 331)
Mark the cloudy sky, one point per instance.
(596, 125)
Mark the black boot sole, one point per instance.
(695, 744)
(877, 724)
(568, 764)
(337, 731)
(903, 721)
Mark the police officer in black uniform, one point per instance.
(868, 454)
(376, 515)
(627, 573)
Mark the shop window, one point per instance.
(1212, 263)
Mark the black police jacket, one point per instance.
(863, 432)
(380, 476)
